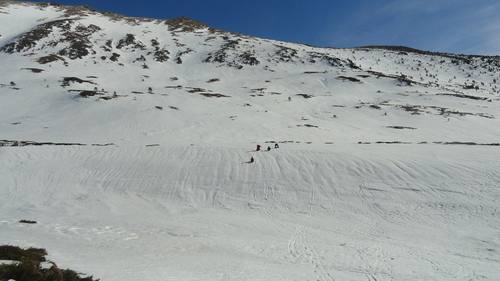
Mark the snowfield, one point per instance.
(350, 212)
(134, 159)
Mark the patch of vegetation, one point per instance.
(420, 109)
(27, 221)
(258, 90)
(306, 96)
(174, 87)
(211, 95)
(392, 142)
(34, 70)
(106, 98)
(414, 109)
(470, 143)
(196, 90)
(471, 87)
(178, 59)
(161, 55)
(455, 58)
(285, 54)
(79, 42)
(485, 115)
(29, 143)
(49, 58)
(14, 253)
(350, 79)
(87, 94)
(464, 96)
(184, 24)
(108, 46)
(139, 59)
(313, 72)
(114, 57)
(331, 61)
(77, 38)
(308, 125)
(103, 144)
(248, 58)
(155, 44)
(401, 127)
(27, 266)
(67, 80)
(130, 40)
(30, 39)
(223, 55)
(403, 79)
(34, 143)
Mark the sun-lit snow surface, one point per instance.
(155, 181)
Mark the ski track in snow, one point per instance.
(294, 214)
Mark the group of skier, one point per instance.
(259, 148)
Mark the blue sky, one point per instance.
(454, 26)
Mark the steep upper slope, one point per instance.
(156, 81)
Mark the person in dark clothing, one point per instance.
(268, 148)
(252, 160)
(276, 145)
(258, 147)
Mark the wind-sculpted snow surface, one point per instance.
(298, 213)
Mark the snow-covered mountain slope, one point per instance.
(128, 141)
(150, 80)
